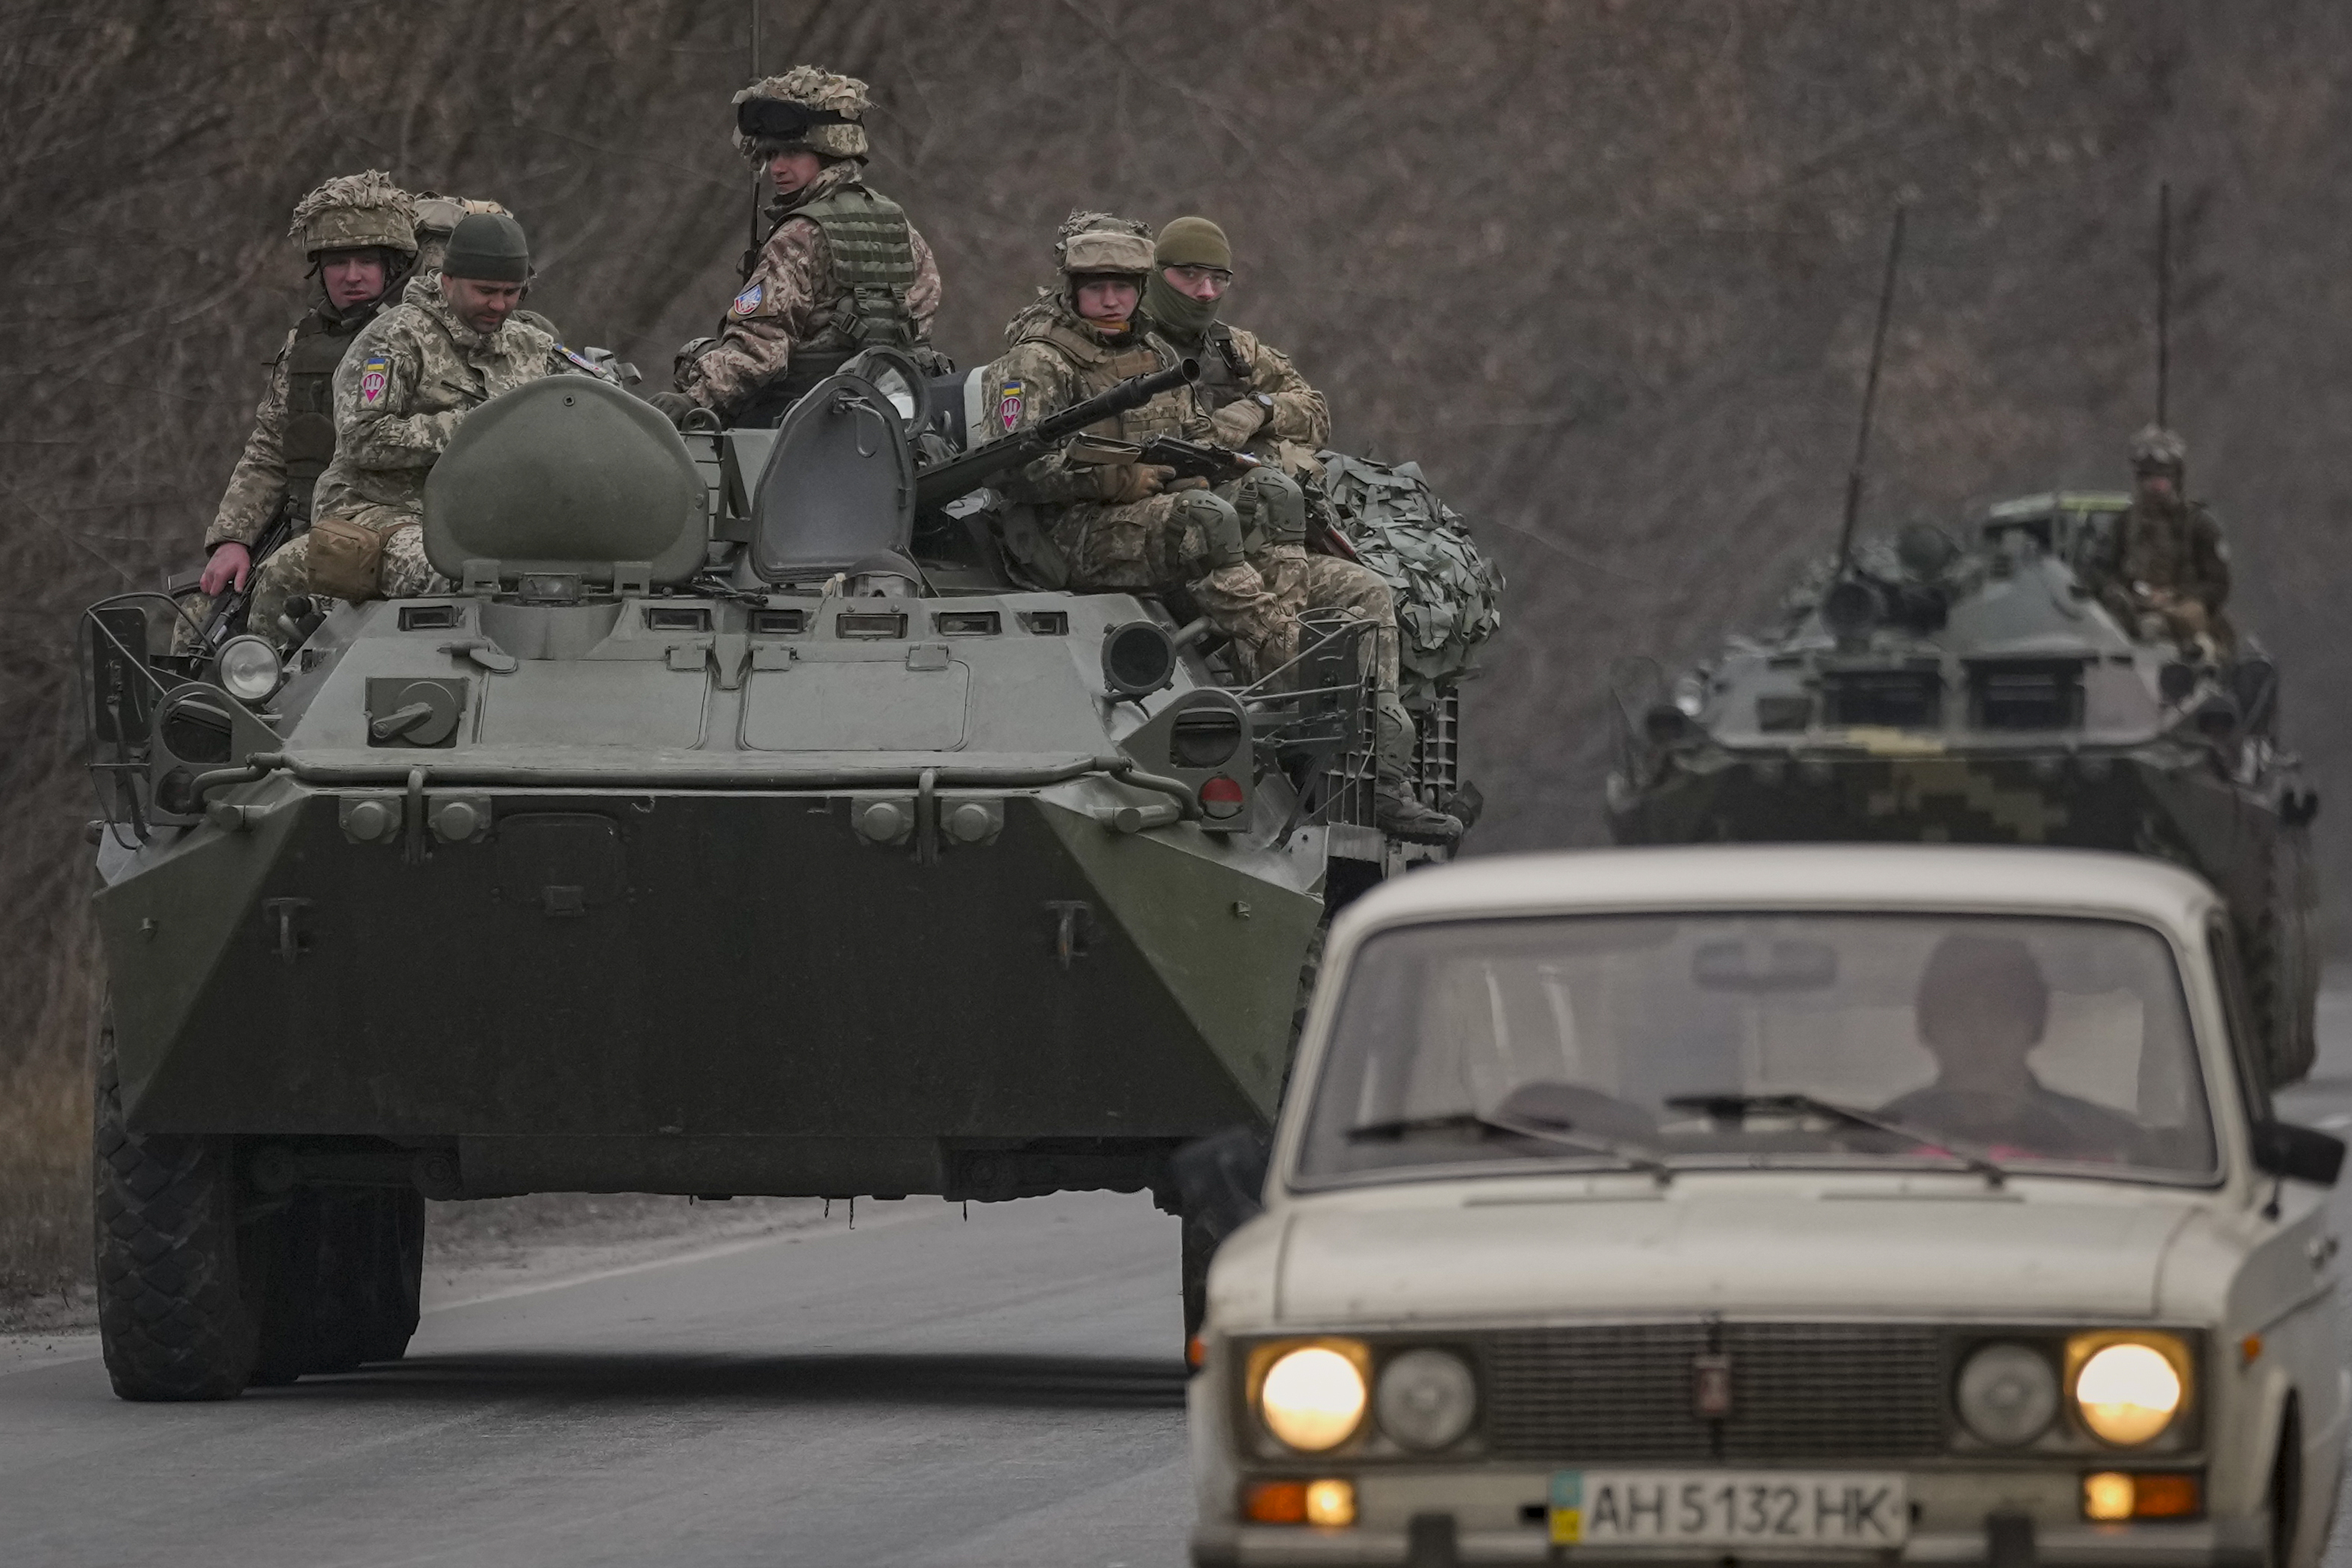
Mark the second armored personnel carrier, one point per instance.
(1985, 695)
(735, 826)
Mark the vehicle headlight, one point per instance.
(2008, 1395)
(1426, 1398)
(1312, 1397)
(249, 669)
(2128, 1390)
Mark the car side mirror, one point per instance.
(2298, 1153)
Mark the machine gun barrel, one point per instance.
(936, 486)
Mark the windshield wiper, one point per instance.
(1735, 1106)
(1471, 1121)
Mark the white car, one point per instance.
(1765, 1204)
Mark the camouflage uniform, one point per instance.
(1257, 400)
(841, 270)
(293, 435)
(2167, 559)
(1188, 538)
(408, 381)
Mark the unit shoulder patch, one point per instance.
(748, 300)
(1008, 407)
(375, 375)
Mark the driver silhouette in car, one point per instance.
(1982, 1008)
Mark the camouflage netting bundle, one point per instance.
(1448, 594)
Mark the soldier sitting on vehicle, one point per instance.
(358, 233)
(451, 345)
(2167, 572)
(1258, 402)
(841, 270)
(1981, 1009)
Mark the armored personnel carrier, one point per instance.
(738, 825)
(1986, 694)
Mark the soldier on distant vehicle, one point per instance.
(357, 231)
(1258, 402)
(841, 269)
(2168, 574)
(452, 344)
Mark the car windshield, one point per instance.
(1670, 1042)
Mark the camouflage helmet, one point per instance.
(805, 109)
(355, 212)
(1090, 244)
(2154, 448)
(437, 218)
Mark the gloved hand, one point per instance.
(1237, 422)
(1126, 482)
(673, 406)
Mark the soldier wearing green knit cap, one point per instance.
(1261, 404)
(1258, 401)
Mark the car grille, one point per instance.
(1626, 1392)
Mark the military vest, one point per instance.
(1102, 366)
(874, 267)
(1225, 374)
(319, 342)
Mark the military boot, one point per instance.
(1397, 809)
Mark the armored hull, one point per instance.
(1991, 697)
(733, 823)
(714, 960)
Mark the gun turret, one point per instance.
(937, 486)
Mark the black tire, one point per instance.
(399, 1275)
(2281, 986)
(347, 1264)
(2284, 1505)
(175, 1297)
(1200, 1246)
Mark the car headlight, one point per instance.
(2008, 1395)
(1426, 1398)
(249, 669)
(2128, 1390)
(1312, 1397)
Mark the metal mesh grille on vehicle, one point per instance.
(1624, 1392)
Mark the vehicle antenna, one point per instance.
(2163, 302)
(758, 176)
(1869, 396)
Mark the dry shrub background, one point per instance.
(1604, 266)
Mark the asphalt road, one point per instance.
(923, 1389)
(920, 1389)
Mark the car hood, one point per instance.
(1957, 1253)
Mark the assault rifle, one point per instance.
(233, 604)
(937, 486)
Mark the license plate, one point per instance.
(1729, 1508)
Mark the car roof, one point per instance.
(1894, 877)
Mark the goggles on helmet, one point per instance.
(779, 119)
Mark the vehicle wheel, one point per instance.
(395, 1224)
(1200, 1246)
(2282, 998)
(2285, 1503)
(347, 1265)
(174, 1297)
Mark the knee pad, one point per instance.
(1271, 507)
(1212, 530)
